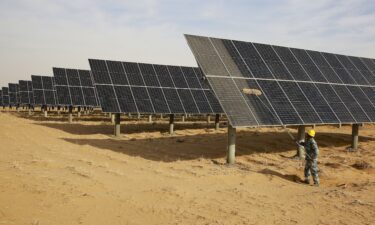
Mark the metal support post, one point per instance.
(231, 154)
(70, 114)
(301, 137)
(355, 131)
(112, 118)
(117, 130)
(171, 124)
(217, 122)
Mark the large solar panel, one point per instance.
(26, 92)
(13, 94)
(43, 90)
(263, 85)
(126, 87)
(5, 93)
(75, 87)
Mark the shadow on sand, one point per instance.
(290, 177)
(210, 145)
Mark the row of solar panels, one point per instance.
(118, 87)
(254, 84)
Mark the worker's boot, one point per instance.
(306, 181)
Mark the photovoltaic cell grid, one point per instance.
(74, 87)
(128, 87)
(5, 93)
(26, 92)
(265, 85)
(43, 90)
(13, 94)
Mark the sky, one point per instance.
(36, 35)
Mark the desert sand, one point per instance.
(55, 173)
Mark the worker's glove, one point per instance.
(301, 143)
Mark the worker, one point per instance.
(311, 157)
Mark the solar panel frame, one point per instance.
(26, 92)
(74, 87)
(1, 98)
(129, 87)
(43, 90)
(5, 91)
(346, 77)
(13, 94)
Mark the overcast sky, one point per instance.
(36, 35)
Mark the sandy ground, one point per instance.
(55, 173)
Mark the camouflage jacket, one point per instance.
(312, 150)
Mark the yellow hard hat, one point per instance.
(311, 133)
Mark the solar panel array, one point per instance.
(1, 98)
(13, 94)
(75, 87)
(5, 91)
(26, 92)
(43, 90)
(126, 87)
(263, 85)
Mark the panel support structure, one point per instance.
(171, 124)
(150, 118)
(112, 118)
(70, 114)
(231, 150)
(79, 112)
(45, 112)
(301, 137)
(355, 131)
(117, 130)
(217, 121)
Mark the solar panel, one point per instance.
(5, 91)
(75, 87)
(1, 98)
(26, 92)
(263, 85)
(127, 87)
(43, 90)
(13, 94)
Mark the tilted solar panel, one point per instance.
(127, 87)
(26, 92)
(263, 85)
(13, 94)
(5, 91)
(1, 98)
(75, 87)
(43, 90)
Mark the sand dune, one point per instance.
(55, 173)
